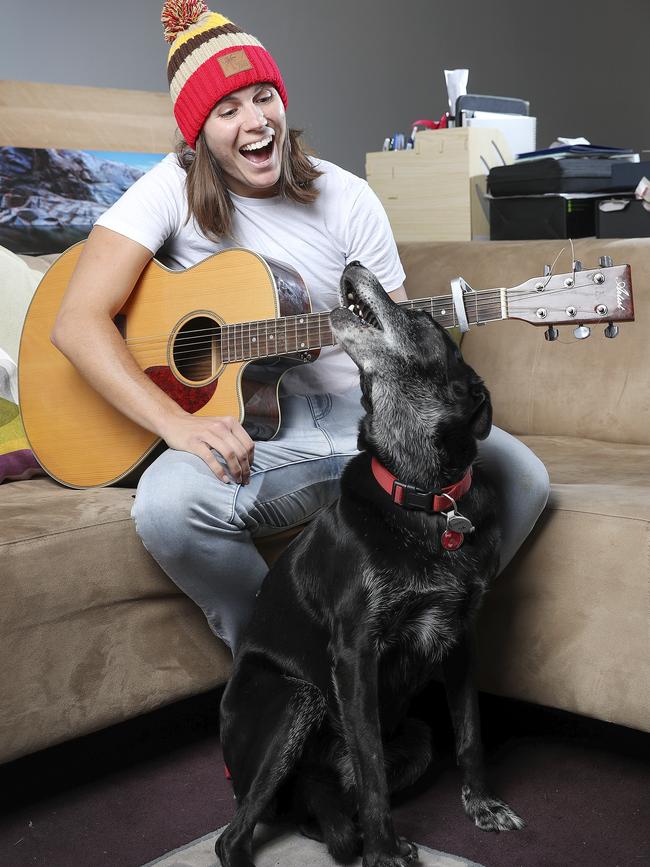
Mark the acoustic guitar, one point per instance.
(218, 337)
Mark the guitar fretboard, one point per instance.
(266, 338)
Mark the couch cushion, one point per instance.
(93, 631)
(585, 463)
(566, 624)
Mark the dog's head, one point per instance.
(424, 405)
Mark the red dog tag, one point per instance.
(452, 540)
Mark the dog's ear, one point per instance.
(481, 423)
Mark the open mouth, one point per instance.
(361, 310)
(258, 152)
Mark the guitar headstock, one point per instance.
(580, 297)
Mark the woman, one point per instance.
(241, 178)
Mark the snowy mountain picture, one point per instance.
(50, 198)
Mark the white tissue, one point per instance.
(456, 80)
(561, 142)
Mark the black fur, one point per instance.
(351, 620)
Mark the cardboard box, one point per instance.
(436, 192)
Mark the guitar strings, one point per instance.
(201, 337)
(486, 305)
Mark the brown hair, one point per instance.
(207, 194)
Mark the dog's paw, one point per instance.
(231, 856)
(407, 854)
(490, 814)
(408, 850)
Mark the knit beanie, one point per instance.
(209, 58)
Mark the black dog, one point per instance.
(352, 619)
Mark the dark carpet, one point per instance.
(125, 796)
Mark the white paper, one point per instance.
(519, 130)
(561, 142)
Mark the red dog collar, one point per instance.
(411, 497)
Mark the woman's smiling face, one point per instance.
(251, 116)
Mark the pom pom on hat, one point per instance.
(177, 15)
(213, 57)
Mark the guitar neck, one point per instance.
(265, 338)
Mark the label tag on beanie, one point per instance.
(234, 62)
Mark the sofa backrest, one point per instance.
(596, 388)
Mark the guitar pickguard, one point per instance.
(190, 398)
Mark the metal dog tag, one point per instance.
(458, 523)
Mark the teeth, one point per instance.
(366, 317)
(258, 144)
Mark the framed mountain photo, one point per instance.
(51, 197)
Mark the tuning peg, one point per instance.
(547, 270)
(606, 261)
(577, 265)
(611, 330)
(551, 333)
(581, 331)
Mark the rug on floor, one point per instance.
(275, 847)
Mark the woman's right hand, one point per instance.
(200, 434)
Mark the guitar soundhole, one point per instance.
(196, 351)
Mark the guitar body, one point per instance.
(171, 324)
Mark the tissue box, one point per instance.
(436, 192)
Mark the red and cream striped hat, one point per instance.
(209, 58)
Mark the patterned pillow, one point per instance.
(17, 460)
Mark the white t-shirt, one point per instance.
(346, 222)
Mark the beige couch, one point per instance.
(92, 632)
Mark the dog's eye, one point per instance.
(459, 390)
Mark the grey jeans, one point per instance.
(201, 530)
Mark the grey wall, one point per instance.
(358, 70)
